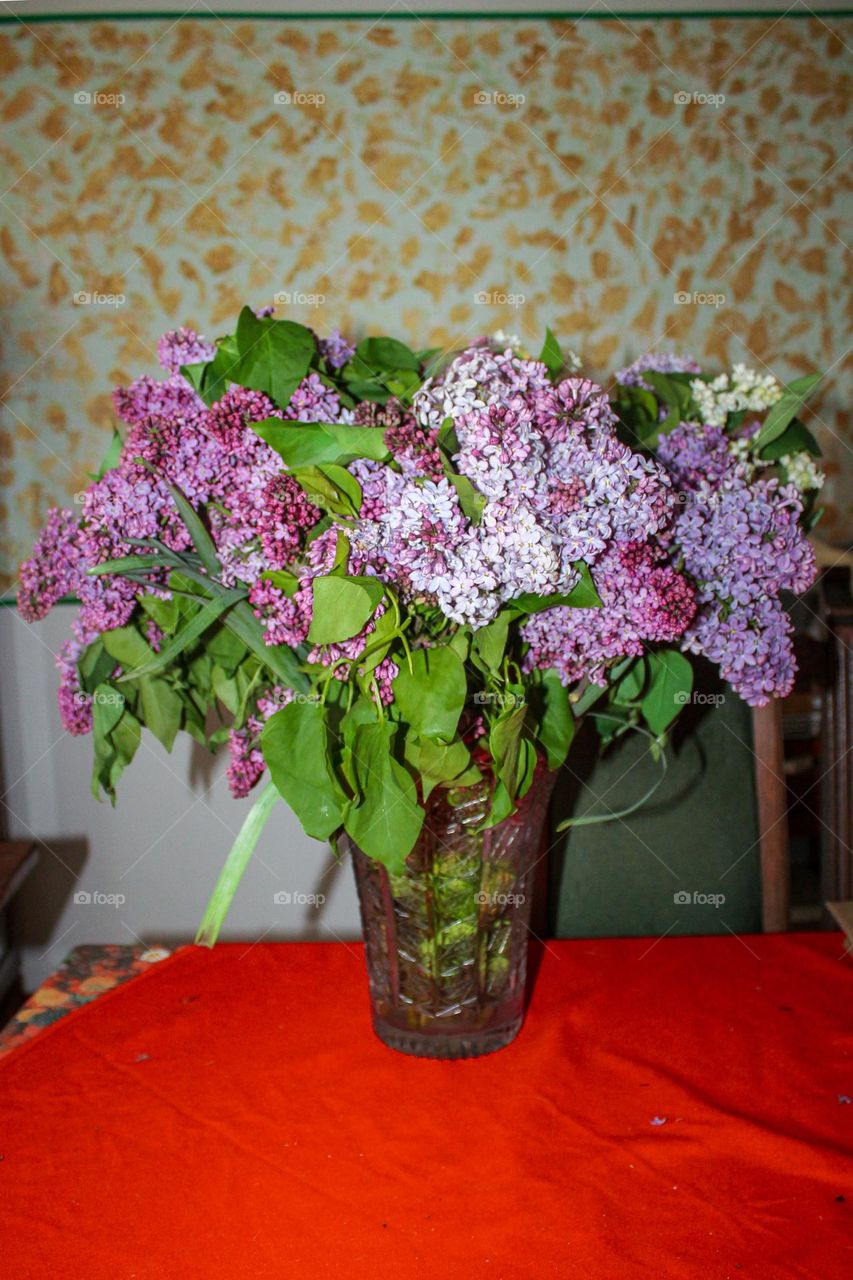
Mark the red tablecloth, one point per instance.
(671, 1109)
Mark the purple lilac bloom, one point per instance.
(55, 567)
(742, 544)
(183, 346)
(313, 401)
(643, 600)
(655, 362)
(335, 350)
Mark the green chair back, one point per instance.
(661, 870)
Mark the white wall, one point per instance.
(162, 846)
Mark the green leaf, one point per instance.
(94, 666)
(275, 355)
(556, 722)
(162, 709)
(670, 684)
(207, 614)
(628, 688)
(310, 444)
(488, 643)
(110, 458)
(107, 709)
(283, 579)
(331, 487)
(342, 606)
(388, 820)
(436, 762)
(295, 745)
(431, 696)
(125, 737)
(583, 595)
(785, 409)
(375, 356)
(164, 613)
(235, 865)
(504, 737)
(127, 646)
(551, 355)
(472, 502)
(796, 438)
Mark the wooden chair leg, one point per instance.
(772, 817)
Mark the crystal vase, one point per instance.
(446, 940)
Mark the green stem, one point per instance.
(235, 864)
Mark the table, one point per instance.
(672, 1108)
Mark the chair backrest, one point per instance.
(691, 860)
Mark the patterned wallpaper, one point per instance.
(637, 184)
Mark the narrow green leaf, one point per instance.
(786, 408)
(235, 865)
(206, 616)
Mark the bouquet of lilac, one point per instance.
(374, 574)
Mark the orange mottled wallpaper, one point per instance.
(636, 184)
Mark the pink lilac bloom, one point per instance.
(335, 350)
(342, 658)
(655, 362)
(313, 401)
(183, 346)
(146, 398)
(413, 446)
(246, 764)
(286, 619)
(644, 600)
(75, 706)
(54, 569)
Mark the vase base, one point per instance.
(443, 1045)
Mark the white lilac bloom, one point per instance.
(803, 471)
(743, 389)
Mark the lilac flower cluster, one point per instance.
(527, 486)
(643, 599)
(655, 362)
(742, 544)
(558, 487)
